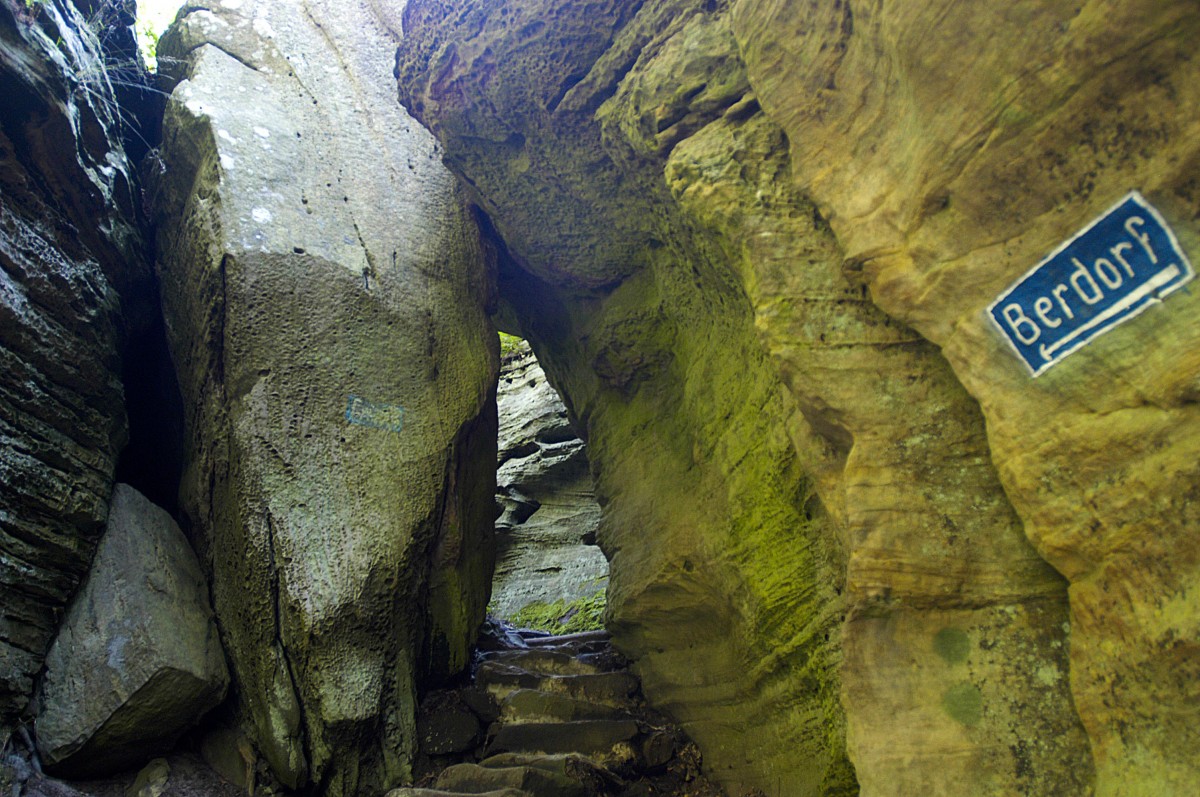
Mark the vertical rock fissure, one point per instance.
(70, 244)
(284, 653)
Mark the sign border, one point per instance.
(1188, 275)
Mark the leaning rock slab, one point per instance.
(325, 303)
(138, 659)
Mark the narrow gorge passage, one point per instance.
(868, 418)
(550, 574)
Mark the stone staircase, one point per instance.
(564, 718)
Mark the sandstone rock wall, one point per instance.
(69, 248)
(545, 538)
(980, 151)
(753, 242)
(325, 305)
(724, 573)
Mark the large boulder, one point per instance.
(853, 546)
(545, 537)
(325, 297)
(70, 249)
(137, 660)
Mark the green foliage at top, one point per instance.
(148, 38)
(509, 344)
(560, 617)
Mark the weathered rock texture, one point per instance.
(325, 304)
(137, 660)
(545, 543)
(853, 545)
(69, 246)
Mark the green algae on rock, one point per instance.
(798, 232)
(563, 617)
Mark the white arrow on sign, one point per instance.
(1152, 285)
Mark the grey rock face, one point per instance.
(324, 297)
(69, 245)
(137, 660)
(545, 487)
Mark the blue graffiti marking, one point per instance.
(389, 417)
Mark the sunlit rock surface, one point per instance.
(545, 538)
(325, 298)
(69, 249)
(854, 545)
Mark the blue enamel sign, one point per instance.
(1122, 263)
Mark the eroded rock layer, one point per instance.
(545, 538)
(69, 248)
(325, 299)
(853, 544)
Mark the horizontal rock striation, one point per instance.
(854, 547)
(951, 147)
(545, 538)
(325, 305)
(69, 248)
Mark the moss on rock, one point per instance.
(563, 617)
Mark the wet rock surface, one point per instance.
(71, 252)
(566, 719)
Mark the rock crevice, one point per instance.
(815, 204)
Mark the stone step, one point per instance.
(544, 661)
(538, 639)
(409, 791)
(592, 774)
(539, 782)
(573, 644)
(531, 705)
(584, 656)
(607, 688)
(598, 739)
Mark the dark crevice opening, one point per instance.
(152, 461)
